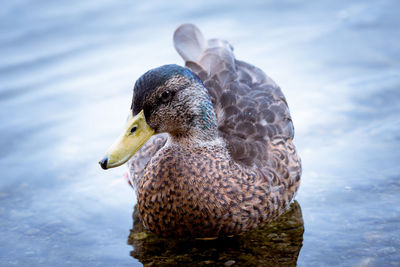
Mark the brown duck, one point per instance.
(209, 146)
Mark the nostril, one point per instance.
(103, 163)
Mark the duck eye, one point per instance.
(166, 96)
(133, 129)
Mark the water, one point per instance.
(66, 74)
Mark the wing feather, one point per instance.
(250, 107)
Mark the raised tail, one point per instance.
(189, 42)
(213, 55)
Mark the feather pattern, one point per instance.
(251, 109)
(229, 189)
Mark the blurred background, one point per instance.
(67, 69)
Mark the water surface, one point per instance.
(66, 74)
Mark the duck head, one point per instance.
(168, 99)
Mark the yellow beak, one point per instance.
(135, 134)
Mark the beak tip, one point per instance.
(103, 163)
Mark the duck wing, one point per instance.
(250, 107)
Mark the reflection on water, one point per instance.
(276, 244)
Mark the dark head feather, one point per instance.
(154, 78)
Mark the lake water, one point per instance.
(66, 75)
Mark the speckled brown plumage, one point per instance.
(245, 177)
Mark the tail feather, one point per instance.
(189, 42)
(213, 55)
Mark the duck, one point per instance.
(209, 146)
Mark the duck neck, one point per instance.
(203, 126)
(203, 132)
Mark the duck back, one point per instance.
(250, 107)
